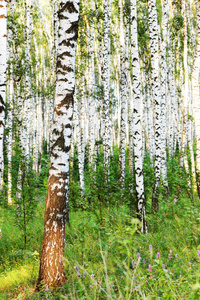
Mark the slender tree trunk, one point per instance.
(91, 84)
(106, 87)
(164, 95)
(52, 254)
(81, 140)
(151, 141)
(28, 87)
(153, 28)
(137, 135)
(122, 95)
(183, 158)
(10, 100)
(196, 98)
(3, 66)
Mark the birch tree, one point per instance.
(137, 134)
(183, 158)
(52, 254)
(3, 65)
(106, 85)
(91, 84)
(10, 100)
(164, 93)
(196, 98)
(153, 30)
(122, 90)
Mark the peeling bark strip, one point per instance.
(3, 65)
(52, 255)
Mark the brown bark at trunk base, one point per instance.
(52, 254)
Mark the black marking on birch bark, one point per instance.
(67, 101)
(68, 43)
(56, 131)
(2, 108)
(69, 6)
(138, 122)
(2, 102)
(71, 40)
(63, 67)
(60, 142)
(55, 155)
(69, 125)
(137, 133)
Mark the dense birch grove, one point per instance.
(111, 114)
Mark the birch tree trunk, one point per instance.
(106, 86)
(52, 254)
(137, 134)
(183, 158)
(164, 95)
(153, 29)
(151, 143)
(196, 99)
(91, 84)
(3, 66)
(10, 101)
(81, 140)
(122, 95)
(186, 101)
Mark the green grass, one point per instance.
(113, 260)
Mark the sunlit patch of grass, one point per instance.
(23, 275)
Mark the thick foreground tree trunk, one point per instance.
(52, 255)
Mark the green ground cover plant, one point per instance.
(112, 261)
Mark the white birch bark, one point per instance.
(122, 95)
(106, 86)
(91, 84)
(79, 116)
(190, 145)
(131, 131)
(164, 94)
(196, 98)
(81, 139)
(137, 111)
(10, 101)
(36, 121)
(151, 144)
(54, 8)
(153, 30)
(26, 122)
(3, 66)
(183, 158)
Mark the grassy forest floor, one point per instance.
(105, 257)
